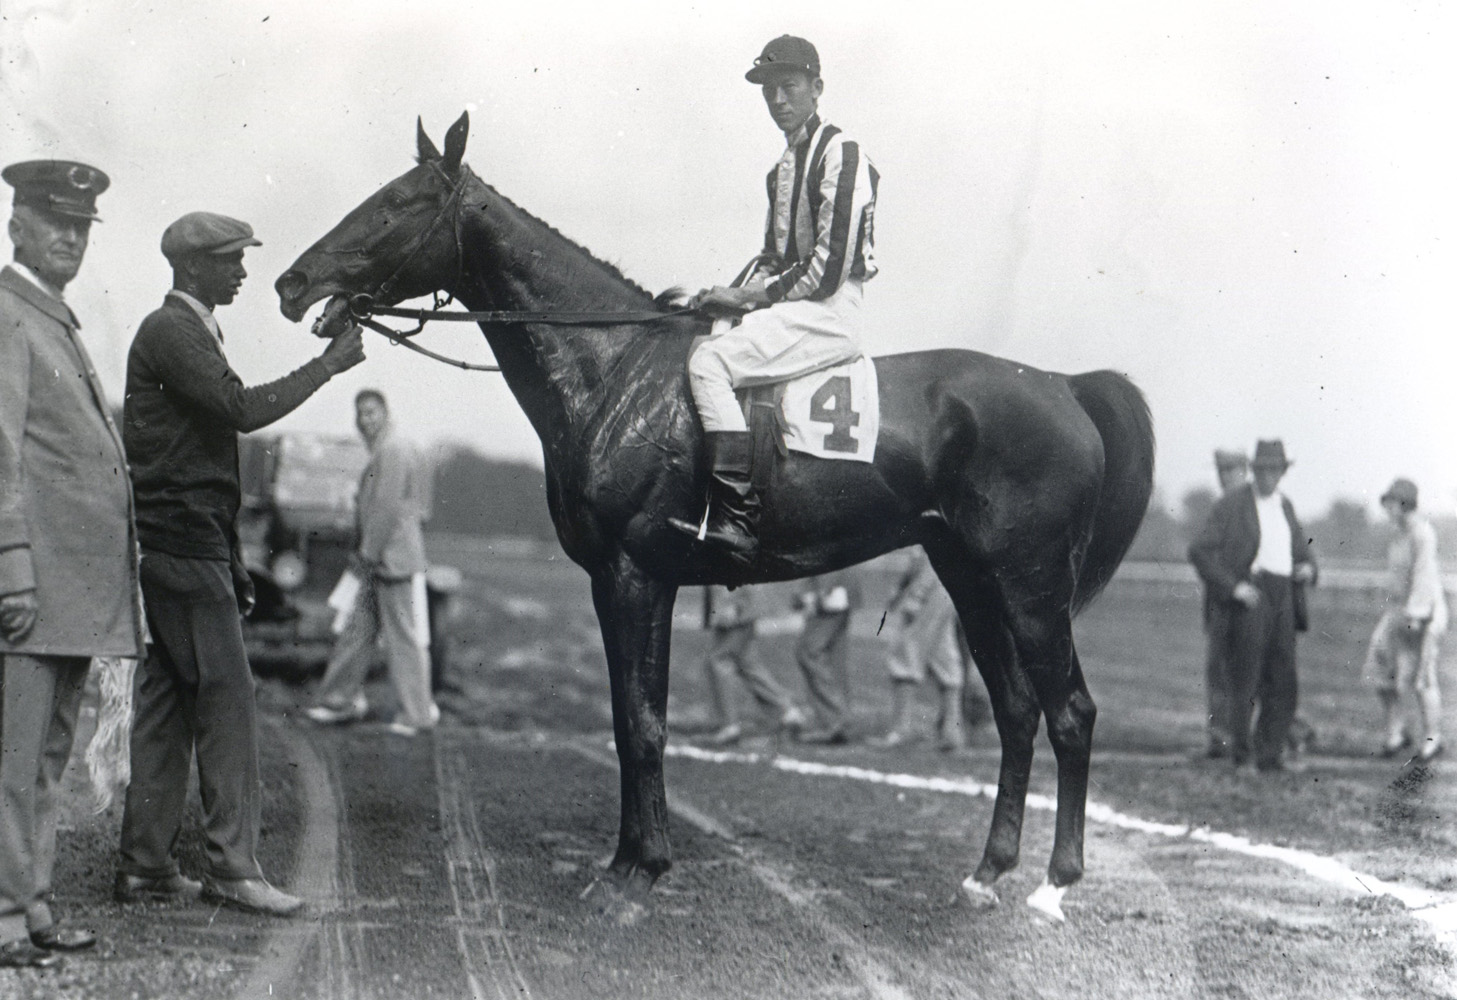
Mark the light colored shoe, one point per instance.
(254, 895)
(793, 720)
(327, 716)
(139, 889)
(402, 728)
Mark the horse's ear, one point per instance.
(455, 143)
(425, 149)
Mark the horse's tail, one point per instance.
(1119, 411)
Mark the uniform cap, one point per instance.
(61, 186)
(1270, 455)
(1402, 490)
(785, 54)
(206, 232)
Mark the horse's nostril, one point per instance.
(290, 284)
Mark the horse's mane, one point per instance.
(612, 269)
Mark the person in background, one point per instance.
(1254, 557)
(185, 407)
(390, 564)
(924, 638)
(1402, 658)
(68, 563)
(823, 653)
(1233, 469)
(732, 616)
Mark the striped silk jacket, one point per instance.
(820, 229)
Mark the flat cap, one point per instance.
(206, 232)
(61, 186)
(1403, 491)
(785, 54)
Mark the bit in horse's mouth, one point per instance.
(337, 306)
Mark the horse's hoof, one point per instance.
(1047, 900)
(613, 904)
(980, 895)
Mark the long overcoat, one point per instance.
(66, 518)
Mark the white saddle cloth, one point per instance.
(834, 412)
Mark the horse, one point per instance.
(1024, 487)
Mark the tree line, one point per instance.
(476, 495)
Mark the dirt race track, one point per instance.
(456, 865)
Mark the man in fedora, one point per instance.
(184, 409)
(68, 573)
(1254, 558)
(803, 293)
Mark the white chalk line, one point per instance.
(1436, 909)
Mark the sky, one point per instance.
(1247, 207)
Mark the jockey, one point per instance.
(803, 294)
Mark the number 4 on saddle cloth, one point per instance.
(831, 413)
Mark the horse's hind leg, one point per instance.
(1041, 630)
(635, 613)
(1015, 710)
(1070, 716)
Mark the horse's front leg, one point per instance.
(635, 612)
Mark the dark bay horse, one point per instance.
(1024, 487)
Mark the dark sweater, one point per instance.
(184, 409)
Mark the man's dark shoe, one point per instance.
(58, 938)
(254, 895)
(733, 501)
(824, 737)
(21, 954)
(139, 889)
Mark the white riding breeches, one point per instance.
(775, 344)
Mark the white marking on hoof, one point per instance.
(980, 895)
(628, 913)
(1047, 900)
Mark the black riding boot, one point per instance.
(733, 502)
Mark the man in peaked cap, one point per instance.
(68, 573)
(184, 409)
(1254, 557)
(804, 291)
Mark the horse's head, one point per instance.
(401, 242)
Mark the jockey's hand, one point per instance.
(720, 299)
